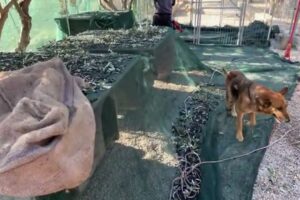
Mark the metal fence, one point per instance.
(144, 10)
(241, 22)
(226, 22)
(229, 22)
(218, 21)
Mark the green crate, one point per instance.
(95, 20)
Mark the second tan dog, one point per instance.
(244, 96)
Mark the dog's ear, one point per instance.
(224, 71)
(264, 103)
(284, 91)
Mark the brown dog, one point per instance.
(244, 96)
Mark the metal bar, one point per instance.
(191, 12)
(245, 4)
(195, 22)
(294, 12)
(233, 3)
(270, 27)
(221, 14)
(216, 1)
(271, 23)
(241, 23)
(265, 10)
(67, 18)
(295, 20)
(220, 7)
(240, 29)
(199, 21)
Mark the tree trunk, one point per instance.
(108, 5)
(129, 6)
(4, 15)
(63, 7)
(23, 10)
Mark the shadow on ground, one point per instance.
(142, 163)
(125, 174)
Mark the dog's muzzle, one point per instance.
(286, 120)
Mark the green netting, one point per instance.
(214, 139)
(143, 10)
(235, 179)
(186, 59)
(78, 23)
(258, 64)
(255, 34)
(44, 27)
(231, 180)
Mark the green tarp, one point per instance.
(234, 180)
(78, 23)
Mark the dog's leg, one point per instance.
(233, 111)
(229, 98)
(252, 119)
(239, 126)
(228, 104)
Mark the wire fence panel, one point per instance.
(235, 22)
(219, 21)
(144, 10)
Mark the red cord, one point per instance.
(176, 26)
(287, 53)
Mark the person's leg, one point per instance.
(154, 20)
(168, 20)
(162, 20)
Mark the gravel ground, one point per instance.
(279, 173)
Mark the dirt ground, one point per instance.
(142, 163)
(279, 173)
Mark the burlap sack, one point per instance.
(47, 131)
